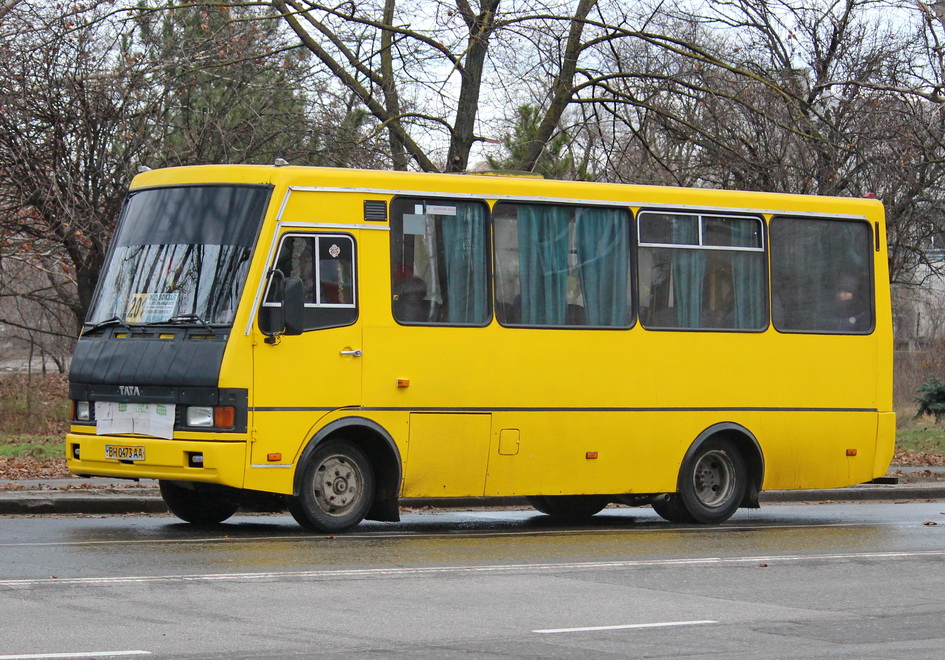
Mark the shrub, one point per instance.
(931, 398)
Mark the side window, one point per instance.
(326, 265)
(561, 266)
(701, 272)
(440, 262)
(821, 275)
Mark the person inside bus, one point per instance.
(851, 307)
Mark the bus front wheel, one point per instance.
(336, 490)
(568, 506)
(197, 503)
(712, 484)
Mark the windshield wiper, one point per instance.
(188, 318)
(115, 320)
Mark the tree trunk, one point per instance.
(562, 89)
(463, 135)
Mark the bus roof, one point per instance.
(497, 186)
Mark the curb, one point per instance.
(106, 501)
(147, 500)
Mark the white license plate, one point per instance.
(125, 452)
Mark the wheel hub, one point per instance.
(337, 484)
(713, 478)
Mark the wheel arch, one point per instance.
(749, 448)
(380, 449)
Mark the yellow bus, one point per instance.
(334, 341)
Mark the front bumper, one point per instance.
(221, 462)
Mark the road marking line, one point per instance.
(90, 654)
(629, 626)
(459, 570)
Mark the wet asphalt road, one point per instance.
(792, 581)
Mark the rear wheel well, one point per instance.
(747, 445)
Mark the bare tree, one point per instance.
(88, 96)
(420, 69)
(70, 133)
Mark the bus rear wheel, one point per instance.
(712, 483)
(337, 488)
(568, 506)
(197, 503)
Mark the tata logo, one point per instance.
(129, 390)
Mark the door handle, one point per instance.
(355, 353)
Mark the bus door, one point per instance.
(300, 378)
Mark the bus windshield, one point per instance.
(180, 254)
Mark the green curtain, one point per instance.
(543, 263)
(603, 245)
(748, 277)
(464, 245)
(688, 272)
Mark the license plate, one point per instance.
(125, 452)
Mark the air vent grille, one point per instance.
(375, 210)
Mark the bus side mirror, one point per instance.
(284, 311)
(293, 306)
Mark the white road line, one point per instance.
(89, 654)
(463, 570)
(629, 626)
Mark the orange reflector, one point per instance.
(590, 455)
(403, 382)
(273, 457)
(224, 417)
(851, 452)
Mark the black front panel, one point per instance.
(145, 368)
(148, 360)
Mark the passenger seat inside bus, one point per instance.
(410, 303)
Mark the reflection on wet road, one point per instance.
(139, 546)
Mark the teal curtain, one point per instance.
(603, 246)
(464, 245)
(748, 278)
(688, 272)
(543, 263)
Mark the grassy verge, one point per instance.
(920, 443)
(33, 414)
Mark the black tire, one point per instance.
(568, 506)
(712, 484)
(197, 503)
(337, 488)
(670, 508)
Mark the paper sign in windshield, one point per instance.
(151, 307)
(156, 419)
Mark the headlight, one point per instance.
(200, 416)
(83, 411)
